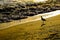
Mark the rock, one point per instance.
(4, 19)
(15, 17)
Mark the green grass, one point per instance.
(32, 30)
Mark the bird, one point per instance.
(43, 20)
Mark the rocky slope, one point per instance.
(20, 11)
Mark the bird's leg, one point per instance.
(43, 23)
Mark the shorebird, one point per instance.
(43, 21)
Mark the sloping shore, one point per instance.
(29, 19)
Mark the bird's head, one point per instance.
(41, 16)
